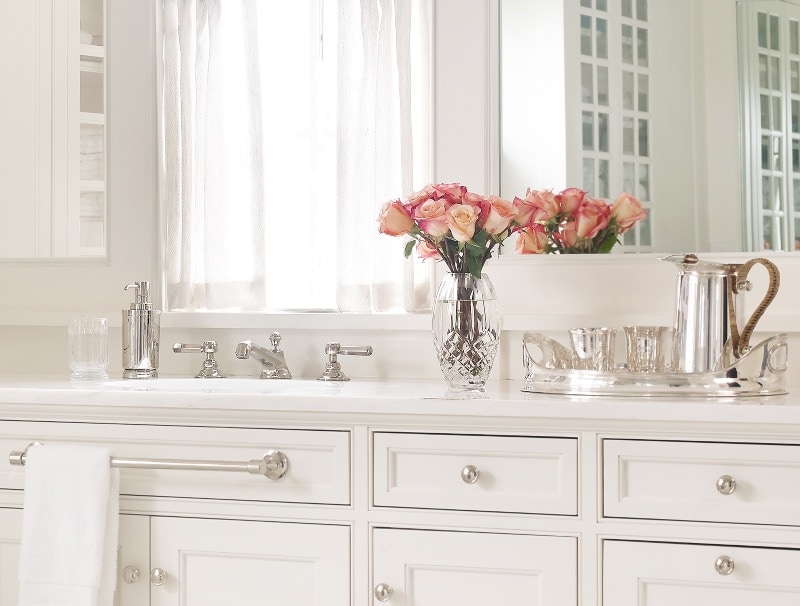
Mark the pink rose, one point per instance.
(525, 209)
(545, 205)
(568, 235)
(418, 197)
(453, 193)
(626, 211)
(395, 219)
(462, 218)
(425, 250)
(432, 217)
(591, 218)
(500, 215)
(570, 200)
(532, 240)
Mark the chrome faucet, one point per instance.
(273, 362)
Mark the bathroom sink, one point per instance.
(243, 385)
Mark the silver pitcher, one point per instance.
(709, 312)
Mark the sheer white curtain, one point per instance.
(384, 147)
(214, 187)
(272, 192)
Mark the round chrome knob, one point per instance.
(158, 576)
(130, 574)
(383, 592)
(726, 485)
(470, 474)
(724, 565)
(274, 464)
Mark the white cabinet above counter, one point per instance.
(396, 492)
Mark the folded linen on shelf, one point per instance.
(91, 166)
(70, 527)
(86, 37)
(91, 142)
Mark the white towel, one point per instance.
(70, 527)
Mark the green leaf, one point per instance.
(409, 248)
(474, 265)
(608, 242)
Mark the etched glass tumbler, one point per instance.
(88, 348)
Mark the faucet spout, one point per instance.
(273, 362)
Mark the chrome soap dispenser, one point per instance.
(140, 335)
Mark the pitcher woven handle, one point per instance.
(741, 342)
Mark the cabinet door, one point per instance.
(133, 551)
(213, 562)
(10, 530)
(665, 574)
(432, 568)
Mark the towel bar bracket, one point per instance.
(273, 465)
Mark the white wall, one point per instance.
(543, 294)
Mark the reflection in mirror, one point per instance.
(53, 129)
(640, 96)
(770, 70)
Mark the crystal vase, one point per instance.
(466, 329)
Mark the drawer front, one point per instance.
(666, 574)
(318, 461)
(514, 474)
(692, 481)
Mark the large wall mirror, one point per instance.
(52, 128)
(692, 106)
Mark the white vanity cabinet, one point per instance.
(420, 500)
(210, 537)
(720, 486)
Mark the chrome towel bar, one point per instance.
(273, 465)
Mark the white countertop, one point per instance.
(242, 400)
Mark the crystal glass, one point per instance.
(593, 348)
(88, 348)
(645, 348)
(466, 329)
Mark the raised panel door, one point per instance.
(439, 568)
(214, 562)
(10, 530)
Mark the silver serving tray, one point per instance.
(549, 369)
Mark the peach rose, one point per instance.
(591, 218)
(500, 215)
(427, 251)
(394, 219)
(570, 200)
(626, 211)
(462, 218)
(431, 216)
(532, 241)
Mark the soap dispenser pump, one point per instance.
(140, 334)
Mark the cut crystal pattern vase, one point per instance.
(466, 329)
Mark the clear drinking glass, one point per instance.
(645, 348)
(593, 348)
(88, 347)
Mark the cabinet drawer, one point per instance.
(318, 470)
(692, 481)
(665, 574)
(514, 474)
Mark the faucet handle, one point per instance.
(210, 369)
(275, 340)
(333, 369)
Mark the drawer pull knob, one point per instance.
(724, 565)
(470, 474)
(130, 574)
(726, 485)
(383, 592)
(158, 576)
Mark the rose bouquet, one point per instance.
(447, 222)
(571, 222)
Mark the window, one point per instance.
(286, 126)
